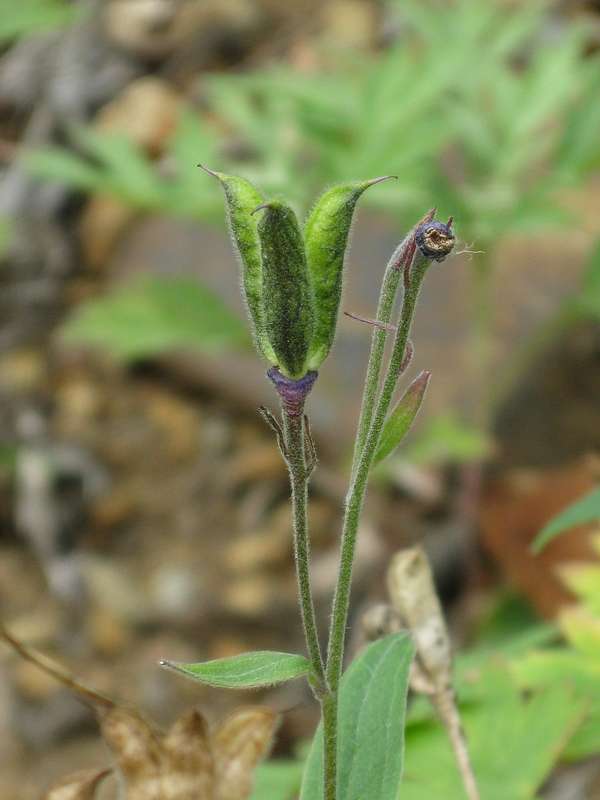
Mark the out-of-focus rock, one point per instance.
(350, 23)
(146, 112)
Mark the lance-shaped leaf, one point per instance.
(398, 423)
(326, 234)
(371, 726)
(582, 512)
(246, 671)
(242, 198)
(287, 292)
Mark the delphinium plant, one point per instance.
(292, 282)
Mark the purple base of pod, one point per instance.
(292, 393)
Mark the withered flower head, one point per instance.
(435, 240)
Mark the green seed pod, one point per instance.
(287, 294)
(326, 234)
(242, 199)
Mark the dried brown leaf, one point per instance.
(79, 786)
(188, 760)
(137, 748)
(186, 763)
(239, 744)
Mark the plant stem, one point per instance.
(329, 714)
(358, 486)
(385, 307)
(295, 450)
(294, 440)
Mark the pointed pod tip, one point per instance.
(261, 207)
(373, 181)
(423, 377)
(209, 170)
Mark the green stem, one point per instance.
(387, 299)
(358, 486)
(329, 713)
(295, 450)
(294, 440)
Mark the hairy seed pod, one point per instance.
(242, 198)
(435, 240)
(326, 234)
(287, 293)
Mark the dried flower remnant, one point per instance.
(188, 762)
(79, 786)
(435, 240)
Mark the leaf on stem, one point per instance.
(402, 417)
(371, 725)
(246, 671)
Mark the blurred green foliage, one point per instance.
(483, 106)
(489, 108)
(31, 16)
(150, 316)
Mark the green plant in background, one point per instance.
(484, 106)
(292, 283)
(31, 16)
(151, 316)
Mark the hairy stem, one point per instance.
(398, 266)
(329, 713)
(360, 475)
(387, 298)
(294, 441)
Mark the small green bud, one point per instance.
(287, 293)
(242, 199)
(326, 234)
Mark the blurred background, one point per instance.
(143, 504)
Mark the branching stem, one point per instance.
(360, 473)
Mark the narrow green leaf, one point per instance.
(246, 671)
(154, 315)
(581, 512)
(402, 417)
(287, 293)
(326, 234)
(242, 199)
(371, 725)
(56, 164)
